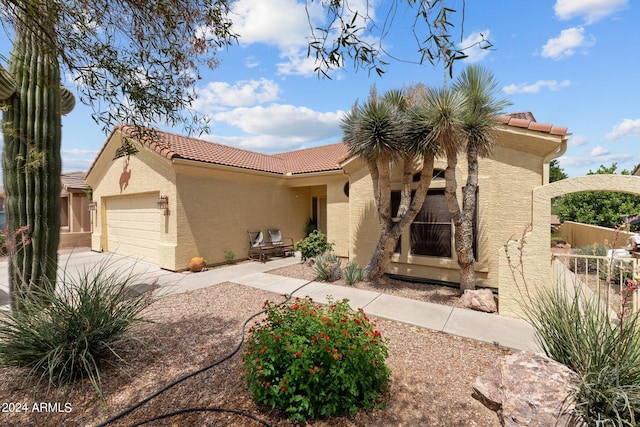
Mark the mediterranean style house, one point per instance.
(181, 197)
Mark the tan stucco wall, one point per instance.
(579, 235)
(144, 173)
(338, 216)
(217, 206)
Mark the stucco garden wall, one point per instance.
(536, 257)
(579, 235)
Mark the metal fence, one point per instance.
(613, 279)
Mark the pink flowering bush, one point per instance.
(313, 361)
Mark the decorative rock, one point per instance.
(480, 300)
(196, 264)
(333, 271)
(528, 389)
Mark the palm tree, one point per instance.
(379, 133)
(477, 125)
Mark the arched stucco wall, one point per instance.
(536, 256)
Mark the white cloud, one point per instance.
(287, 24)
(73, 165)
(577, 141)
(296, 62)
(287, 121)
(251, 61)
(280, 23)
(216, 95)
(599, 151)
(79, 152)
(536, 87)
(593, 160)
(627, 127)
(566, 43)
(472, 46)
(590, 10)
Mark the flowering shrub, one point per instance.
(316, 361)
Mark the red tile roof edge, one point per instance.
(526, 120)
(174, 146)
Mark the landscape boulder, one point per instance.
(333, 270)
(479, 300)
(528, 389)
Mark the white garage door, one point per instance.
(133, 226)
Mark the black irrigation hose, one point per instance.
(194, 373)
(189, 410)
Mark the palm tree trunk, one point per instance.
(463, 224)
(466, 259)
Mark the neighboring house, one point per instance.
(181, 197)
(75, 219)
(215, 194)
(75, 216)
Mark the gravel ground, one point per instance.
(438, 294)
(430, 385)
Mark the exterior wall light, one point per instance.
(93, 206)
(163, 203)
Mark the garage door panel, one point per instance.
(133, 226)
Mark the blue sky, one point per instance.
(572, 63)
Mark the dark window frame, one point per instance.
(438, 230)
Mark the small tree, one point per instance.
(384, 131)
(479, 121)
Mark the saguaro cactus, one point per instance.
(32, 103)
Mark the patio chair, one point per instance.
(285, 244)
(259, 248)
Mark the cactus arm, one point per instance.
(67, 101)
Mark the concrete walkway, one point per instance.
(491, 328)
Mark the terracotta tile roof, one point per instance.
(173, 146)
(315, 159)
(527, 121)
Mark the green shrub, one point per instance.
(310, 227)
(352, 274)
(76, 331)
(229, 256)
(313, 245)
(325, 267)
(316, 361)
(579, 332)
